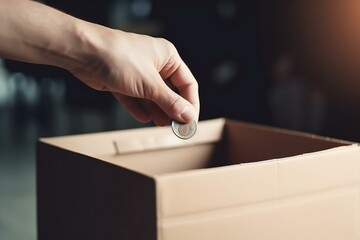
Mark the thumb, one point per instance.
(175, 106)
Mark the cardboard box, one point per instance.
(231, 181)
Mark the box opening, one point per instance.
(238, 143)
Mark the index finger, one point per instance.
(185, 83)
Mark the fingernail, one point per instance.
(187, 114)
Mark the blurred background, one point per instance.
(291, 64)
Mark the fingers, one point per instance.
(186, 105)
(159, 117)
(143, 110)
(175, 106)
(162, 103)
(186, 84)
(134, 107)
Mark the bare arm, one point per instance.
(136, 68)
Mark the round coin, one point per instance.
(184, 130)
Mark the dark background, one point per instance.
(291, 64)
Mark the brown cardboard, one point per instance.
(231, 181)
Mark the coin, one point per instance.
(184, 130)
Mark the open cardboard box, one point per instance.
(231, 181)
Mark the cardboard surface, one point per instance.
(231, 181)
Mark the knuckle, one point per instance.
(175, 105)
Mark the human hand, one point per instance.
(145, 74)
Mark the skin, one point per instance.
(144, 73)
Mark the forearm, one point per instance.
(133, 67)
(32, 32)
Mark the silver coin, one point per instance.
(184, 130)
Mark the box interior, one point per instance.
(219, 142)
(238, 143)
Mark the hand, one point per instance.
(145, 74)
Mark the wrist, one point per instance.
(76, 48)
(88, 46)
